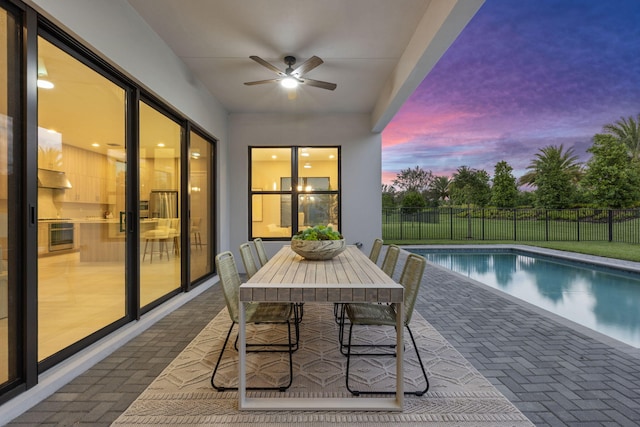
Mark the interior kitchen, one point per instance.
(82, 192)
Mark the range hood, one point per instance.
(52, 179)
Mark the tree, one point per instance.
(627, 131)
(470, 186)
(504, 191)
(611, 178)
(389, 196)
(415, 179)
(412, 202)
(555, 173)
(439, 188)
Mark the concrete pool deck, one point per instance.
(554, 372)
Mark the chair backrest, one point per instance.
(390, 260)
(261, 251)
(375, 250)
(411, 279)
(230, 280)
(248, 260)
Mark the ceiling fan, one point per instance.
(290, 78)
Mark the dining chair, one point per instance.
(375, 250)
(255, 313)
(261, 251)
(391, 260)
(247, 260)
(262, 256)
(372, 314)
(373, 256)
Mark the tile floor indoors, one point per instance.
(555, 374)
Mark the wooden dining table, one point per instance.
(349, 277)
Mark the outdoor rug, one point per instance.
(182, 395)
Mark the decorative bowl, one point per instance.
(318, 249)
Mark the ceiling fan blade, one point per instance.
(307, 66)
(267, 65)
(320, 84)
(260, 82)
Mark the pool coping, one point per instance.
(629, 266)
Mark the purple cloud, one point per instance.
(523, 75)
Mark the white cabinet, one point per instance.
(87, 171)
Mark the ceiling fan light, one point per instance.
(289, 82)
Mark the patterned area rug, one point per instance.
(182, 395)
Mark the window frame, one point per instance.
(294, 193)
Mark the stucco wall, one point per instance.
(361, 167)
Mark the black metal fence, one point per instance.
(612, 225)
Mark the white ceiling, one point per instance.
(376, 51)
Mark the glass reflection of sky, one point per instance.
(603, 300)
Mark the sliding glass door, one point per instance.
(160, 216)
(81, 200)
(10, 108)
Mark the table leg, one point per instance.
(242, 351)
(399, 306)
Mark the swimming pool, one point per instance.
(606, 300)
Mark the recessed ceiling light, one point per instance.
(161, 144)
(95, 144)
(307, 166)
(304, 154)
(332, 156)
(44, 84)
(274, 156)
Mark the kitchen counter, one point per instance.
(101, 240)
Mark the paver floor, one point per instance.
(556, 375)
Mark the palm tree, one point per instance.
(439, 187)
(627, 130)
(552, 155)
(555, 173)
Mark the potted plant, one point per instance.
(318, 243)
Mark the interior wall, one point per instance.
(361, 165)
(108, 28)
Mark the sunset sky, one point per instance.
(522, 75)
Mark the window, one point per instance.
(293, 188)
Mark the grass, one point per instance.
(616, 250)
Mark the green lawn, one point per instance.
(626, 251)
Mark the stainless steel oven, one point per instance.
(61, 235)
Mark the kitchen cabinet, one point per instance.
(87, 171)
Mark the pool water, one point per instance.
(605, 300)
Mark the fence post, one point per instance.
(515, 226)
(546, 224)
(482, 223)
(401, 224)
(610, 225)
(451, 222)
(578, 222)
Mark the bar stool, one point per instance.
(160, 235)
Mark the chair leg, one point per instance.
(357, 392)
(146, 243)
(290, 350)
(220, 388)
